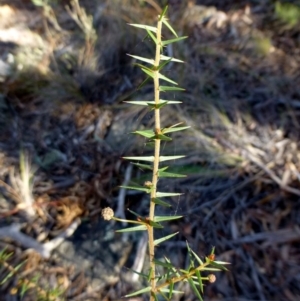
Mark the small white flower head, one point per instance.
(107, 213)
(212, 278)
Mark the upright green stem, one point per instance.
(156, 160)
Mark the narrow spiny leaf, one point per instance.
(149, 158)
(143, 166)
(175, 129)
(155, 225)
(194, 288)
(147, 190)
(139, 292)
(167, 158)
(138, 273)
(163, 13)
(160, 240)
(166, 194)
(171, 290)
(166, 79)
(166, 218)
(163, 58)
(151, 103)
(168, 88)
(163, 137)
(163, 174)
(150, 73)
(164, 43)
(160, 202)
(165, 21)
(157, 106)
(146, 27)
(149, 61)
(152, 36)
(145, 133)
(133, 229)
(199, 280)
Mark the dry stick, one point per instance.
(271, 174)
(13, 232)
(139, 258)
(156, 160)
(120, 212)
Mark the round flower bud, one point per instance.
(212, 278)
(107, 213)
(148, 184)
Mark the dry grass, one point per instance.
(62, 102)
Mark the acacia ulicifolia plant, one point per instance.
(164, 284)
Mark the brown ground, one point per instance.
(63, 120)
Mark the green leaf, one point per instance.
(145, 133)
(155, 225)
(144, 67)
(147, 190)
(143, 166)
(150, 73)
(157, 106)
(133, 229)
(199, 280)
(166, 290)
(166, 194)
(163, 174)
(146, 27)
(166, 218)
(164, 58)
(149, 61)
(166, 79)
(151, 103)
(149, 158)
(139, 292)
(190, 256)
(165, 21)
(175, 129)
(197, 257)
(216, 265)
(167, 158)
(163, 168)
(163, 13)
(163, 137)
(134, 213)
(164, 43)
(160, 202)
(168, 88)
(171, 101)
(194, 288)
(171, 290)
(152, 36)
(160, 240)
(221, 262)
